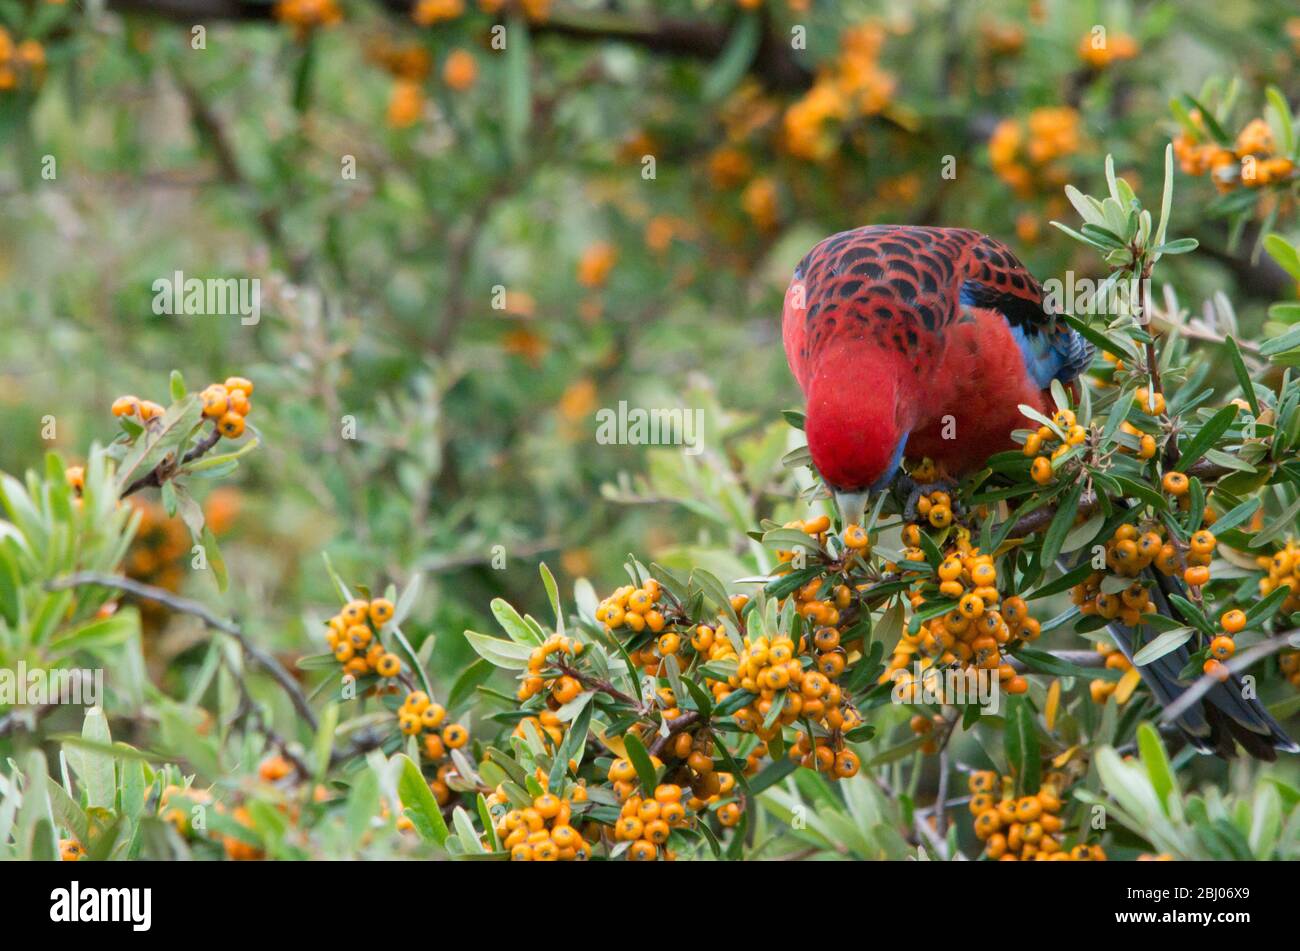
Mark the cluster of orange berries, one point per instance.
(639, 609)
(708, 786)
(1289, 662)
(158, 544)
(773, 670)
(1025, 828)
(935, 508)
(1251, 161)
(543, 831)
(547, 723)
(179, 816)
(352, 637)
(21, 64)
(559, 690)
(228, 403)
(975, 633)
(1128, 605)
(237, 850)
(646, 823)
(307, 15)
(853, 86)
(429, 12)
(1027, 154)
(420, 716)
(1046, 445)
(1222, 645)
(1283, 568)
(1102, 690)
(1112, 48)
(409, 64)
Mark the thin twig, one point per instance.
(250, 711)
(200, 611)
(675, 726)
(164, 470)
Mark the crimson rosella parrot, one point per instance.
(924, 342)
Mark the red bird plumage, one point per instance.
(902, 336)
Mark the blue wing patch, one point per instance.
(1051, 350)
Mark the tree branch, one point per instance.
(200, 611)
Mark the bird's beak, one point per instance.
(852, 505)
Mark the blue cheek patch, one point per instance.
(883, 482)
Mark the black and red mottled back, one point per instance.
(901, 287)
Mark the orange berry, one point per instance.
(1175, 483)
(241, 384)
(231, 425)
(1233, 621)
(216, 401)
(380, 611)
(126, 406)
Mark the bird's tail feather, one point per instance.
(1225, 714)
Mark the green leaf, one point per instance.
(98, 633)
(1206, 436)
(1061, 524)
(472, 677)
(1045, 663)
(572, 747)
(499, 652)
(1211, 123)
(1021, 743)
(419, 802)
(323, 745)
(10, 589)
(97, 770)
(212, 551)
(1154, 758)
(733, 62)
(1165, 643)
(1284, 253)
(517, 98)
(1166, 196)
(553, 594)
(515, 626)
(466, 832)
(1243, 376)
(167, 437)
(1277, 105)
(640, 758)
(1282, 343)
(406, 603)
